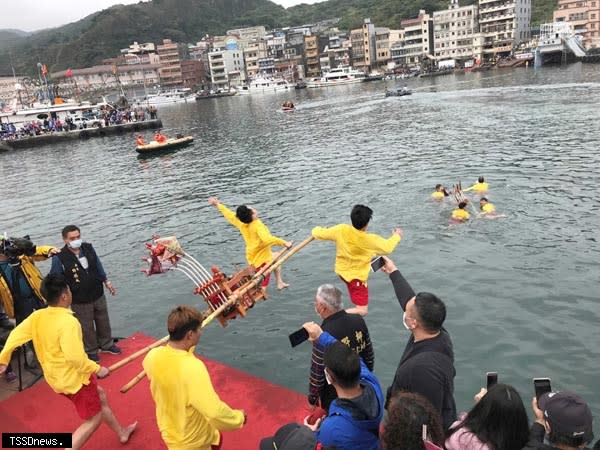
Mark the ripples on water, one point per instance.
(522, 292)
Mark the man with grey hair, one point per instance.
(349, 329)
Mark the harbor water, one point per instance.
(521, 291)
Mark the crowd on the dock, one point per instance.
(51, 123)
(350, 408)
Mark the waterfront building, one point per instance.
(252, 53)
(504, 25)
(193, 73)
(107, 76)
(417, 46)
(170, 63)
(584, 16)
(311, 56)
(226, 68)
(456, 34)
(363, 46)
(382, 48)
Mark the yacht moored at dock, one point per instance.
(338, 76)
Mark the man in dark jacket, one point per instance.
(85, 275)
(427, 364)
(349, 329)
(565, 417)
(354, 416)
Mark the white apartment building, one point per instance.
(504, 24)
(250, 33)
(418, 41)
(226, 68)
(456, 33)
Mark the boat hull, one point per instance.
(154, 146)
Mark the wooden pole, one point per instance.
(256, 279)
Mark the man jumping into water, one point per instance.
(354, 250)
(257, 237)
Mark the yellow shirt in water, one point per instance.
(58, 343)
(354, 249)
(488, 208)
(189, 412)
(257, 236)
(437, 195)
(461, 214)
(478, 187)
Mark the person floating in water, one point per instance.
(257, 237)
(159, 137)
(487, 208)
(480, 187)
(461, 214)
(288, 105)
(139, 140)
(440, 192)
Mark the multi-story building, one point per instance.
(252, 53)
(249, 33)
(104, 76)
(170, 64)
(363, 46)
(584, 16)
(456, 33)
(193, 73)
(226, 68)
(382, 48)
(417, 46)
(311, 56)
(504, 24)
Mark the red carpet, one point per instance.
(39, 409)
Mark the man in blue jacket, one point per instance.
(354, 417)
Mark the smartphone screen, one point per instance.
(492, 379)
(377, 263)
(298, 337)
(541, 386)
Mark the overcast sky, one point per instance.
(31, 15)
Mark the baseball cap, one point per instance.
(290, 437)
(568, 414)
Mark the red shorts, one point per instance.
(266, 280)
(87, 399)
(359, 292)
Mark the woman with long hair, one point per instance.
(402, 428)
(498, 421)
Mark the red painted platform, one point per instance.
(39, 409)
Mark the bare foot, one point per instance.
(127, 432)
(281, 285)
(264, 292)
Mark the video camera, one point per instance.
(13, 248)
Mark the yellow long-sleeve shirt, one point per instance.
(257, 236)
(354, 249)
(477, 187)
(188, 410)
(58, 343)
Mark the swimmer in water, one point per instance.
(479, 187)
(461, 214)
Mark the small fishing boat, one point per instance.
(154, 146)
(397, 92)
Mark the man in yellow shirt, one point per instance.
(440, 192)
(461, 214)
(487, 208)
(257, 237)
(58, 342)
(354, 250)
(480, 187)
(189, 413)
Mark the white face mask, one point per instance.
(76, 243)
(327, 377)
(404, 321)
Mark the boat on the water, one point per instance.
(202, 95)
(168, 97)
(338, 76)
(262, 85)
(398, 92)
(154, 146)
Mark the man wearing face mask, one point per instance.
(85, 275)
(427, 364)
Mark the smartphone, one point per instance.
(541, 386)
(298, 337)
(377, 263)
(492, 379)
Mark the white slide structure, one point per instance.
(575, 45)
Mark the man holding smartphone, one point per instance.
(354, 249)
(427, 364)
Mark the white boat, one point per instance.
(41, 111)
(262, 85)
(167, 97)
(339, 75)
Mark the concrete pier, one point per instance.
(86, 133)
